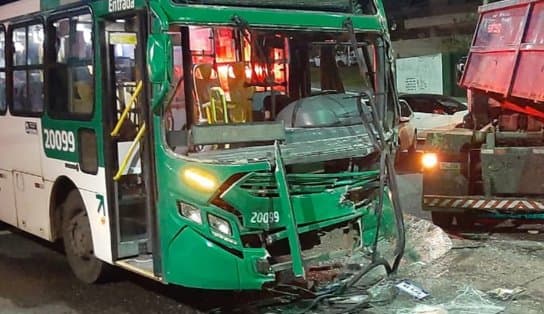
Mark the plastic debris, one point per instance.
(504, 294)
(410, 288)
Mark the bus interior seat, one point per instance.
(241, 95)
(204, 78)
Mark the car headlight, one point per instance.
(220, 224)
(190, 212)
(199, 179)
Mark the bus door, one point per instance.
(129, 139)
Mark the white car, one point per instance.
(434, 112)
(407, 131)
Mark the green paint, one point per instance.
(286, 208)
(187, 246)
(270, 18)
(101, 207)
(193, 254)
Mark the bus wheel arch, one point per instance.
(61, 188)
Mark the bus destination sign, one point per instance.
(120, 5)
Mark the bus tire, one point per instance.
(443, 220)
(78, 242)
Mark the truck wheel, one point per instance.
(443, 220)
(78, 242)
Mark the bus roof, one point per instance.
(322, 15)
(271, 17)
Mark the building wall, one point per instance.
(432, 45)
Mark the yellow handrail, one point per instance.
(219, 92)
(129, 153)
(123, 117)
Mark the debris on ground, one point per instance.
(469, 300)
(425, 241)
(452, 272)
(429, 309)
(504, 294)
(411, 289)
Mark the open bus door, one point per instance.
(128, 140)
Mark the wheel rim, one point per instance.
(80, 237)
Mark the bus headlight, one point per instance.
(199, 179)
(220, 225)
(429, 160)
(190, 212)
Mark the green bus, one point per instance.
(197, 143)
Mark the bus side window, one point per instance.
(28, 69)
(72, 67)
(176, 113)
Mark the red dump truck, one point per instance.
(494, 166)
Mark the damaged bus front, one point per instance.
(268, 163)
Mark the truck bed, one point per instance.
(509, 48)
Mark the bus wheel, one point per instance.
(443, 220)
(78, 243)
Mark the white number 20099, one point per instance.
(265, 218)
(59, 140)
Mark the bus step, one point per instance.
(142, 265)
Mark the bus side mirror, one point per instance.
(159, 58)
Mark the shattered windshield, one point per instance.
(351, 6)
(298, 79)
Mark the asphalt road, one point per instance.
(35, 278)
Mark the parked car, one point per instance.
(407, 131)
(433, 112)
